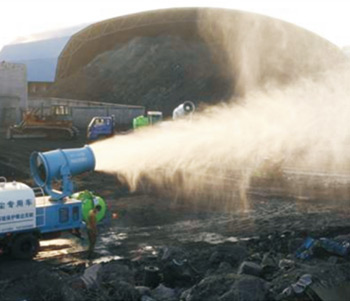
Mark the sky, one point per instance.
(21, 19)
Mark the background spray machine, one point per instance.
(28, 215)
(185, 109)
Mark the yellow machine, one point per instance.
(52, 123)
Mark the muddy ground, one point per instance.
(162, 248)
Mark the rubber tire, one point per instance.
(25, 246)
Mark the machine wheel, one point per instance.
(25, 246)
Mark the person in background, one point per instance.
(92, 229)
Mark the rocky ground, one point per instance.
(164, 249)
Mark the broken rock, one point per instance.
(163, 293)
(250, 268)
(246, 288)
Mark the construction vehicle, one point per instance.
(150, 118)
(100, 127)
(26, 217)
(185, 109)
(54, 123)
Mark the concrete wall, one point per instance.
(83, 111)
(13, 90)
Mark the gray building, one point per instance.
(13, 92)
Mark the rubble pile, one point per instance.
(262, 268)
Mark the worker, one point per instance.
(92, 229)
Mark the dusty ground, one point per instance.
(149, 225)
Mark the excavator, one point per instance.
(54, 122)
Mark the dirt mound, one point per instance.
(161, 58)
(158, 72)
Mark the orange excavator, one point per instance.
(50, 123)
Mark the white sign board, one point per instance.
(17, 207)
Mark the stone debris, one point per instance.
(244, 270)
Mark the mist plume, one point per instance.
(304, 126)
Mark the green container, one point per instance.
(89, 200)
(140, 122)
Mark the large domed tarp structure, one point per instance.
(39, 52)
(160, 58)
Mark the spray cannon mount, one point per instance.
(184, 109)
(60, 165)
